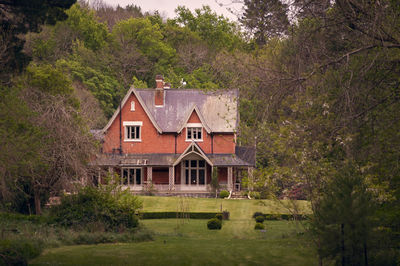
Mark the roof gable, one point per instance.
(203, 122)
(123, 102)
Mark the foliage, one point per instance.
(105, 207)
(223, 194)
(214, 224)
(177, 215)
(18, 252)
(259, 226)
(259, 219)
(214, 181)
(219, 216)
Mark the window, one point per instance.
(194, 133)
(195, 172)
(131, 176)
(132, 106)
(132, 130)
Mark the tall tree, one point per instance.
(265, 19)
(18, 17)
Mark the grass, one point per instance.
(239, 209)
(188, 242)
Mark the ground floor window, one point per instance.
(131, 176)
(195, 172)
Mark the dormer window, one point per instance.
(132, 105)
(194, 132)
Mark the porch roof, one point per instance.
(158, 159)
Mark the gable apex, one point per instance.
(122, 104)
(198, 113)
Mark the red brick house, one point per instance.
(171, 140)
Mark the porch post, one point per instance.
(149, 176)
(171, 173)
(230, 181)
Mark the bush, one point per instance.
(174, 215)
(259, 226)
(98, 208)
(214, 224)
(260, 219)
(219, 216)
(224, 194)
(255, 195)
(257, 214)
(18, 251)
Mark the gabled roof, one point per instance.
(193, 148)
(202, 120)
(128, 94)
(218, 111)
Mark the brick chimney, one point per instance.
(159, 95)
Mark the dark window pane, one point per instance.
(193, 163)
(189, 133)
(194, 133)
(202, 163)
(193, 177)
(137, 132)
(201, 177)
(124, 180)
(187, 176)
(138, 176)
(131, 176)
(186, 163)
(199, 133)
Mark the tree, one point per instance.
(342, 220)
(265, 19)
(19, 17)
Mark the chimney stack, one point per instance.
(159, 94)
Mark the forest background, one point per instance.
(319, 98)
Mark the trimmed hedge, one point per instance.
(172, 215)
(224, 194)
(259, 226)
(274, 217)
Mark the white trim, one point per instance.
(132, 105)
(132, 123)
(194, 125)
(128, 94)
(193, 139)
(189, 150)
(202, 120)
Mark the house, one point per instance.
(171, 140)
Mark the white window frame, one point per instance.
(134, 177)
(194, 127)
(136, 124)
(197, 168)
(132, 105)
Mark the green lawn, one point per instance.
(189, 242)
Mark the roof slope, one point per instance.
(219, 109)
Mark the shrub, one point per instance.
(214, 224)
(224, 194)
(259, 226)
(260, 219)
(257, 214)
(272, 217)
(18, 251)
(106, 208)
(255, 195)
(219, 216)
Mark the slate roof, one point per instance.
(219, 109)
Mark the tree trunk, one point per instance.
(38, 209)
(343, 249)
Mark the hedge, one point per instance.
(274, 217)
(169, 215)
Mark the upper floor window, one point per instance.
(132, 130)
(132, 105)
(194, 133)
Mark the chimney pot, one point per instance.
(159, 82)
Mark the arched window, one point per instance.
(132, 106)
